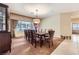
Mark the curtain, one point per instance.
(13, 26)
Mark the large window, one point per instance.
(75, 26)
(23, 25)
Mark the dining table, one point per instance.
(41, 35)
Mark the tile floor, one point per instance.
(68, 47)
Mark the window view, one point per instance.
(75, 26)
(23, 25)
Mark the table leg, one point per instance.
(41, 41)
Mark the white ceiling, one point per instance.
(44, 9)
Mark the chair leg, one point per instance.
(49, 44)
(41, 43)
(29, 39)
(35, 44)
(52, 43)
(32, 41)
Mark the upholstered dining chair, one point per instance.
(28, 35)
(35, 38)
(49, 37)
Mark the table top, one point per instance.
(41, 33)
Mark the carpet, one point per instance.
(20, 46)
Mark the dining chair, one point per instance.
(35, 38)
(32, 36)
(49, 37)
(29, 35)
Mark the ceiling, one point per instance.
(44, 9)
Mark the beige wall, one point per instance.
(61, 23)
(65, 24)
(75, 20)
(52, 22)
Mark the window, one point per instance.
(23, 25)
(75, 26)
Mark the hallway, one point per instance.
(68, 47)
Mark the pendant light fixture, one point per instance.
(36, 20)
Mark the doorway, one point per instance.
(75, 28)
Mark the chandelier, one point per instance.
(36, 20)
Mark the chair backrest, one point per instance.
(29, 33)
(26, 32)
(33, 34)
(51, 33)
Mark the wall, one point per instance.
(65, 24)
(61, 23)
(52, 22)
(66, 20)
(75, 20)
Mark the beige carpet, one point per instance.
(22, 47)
